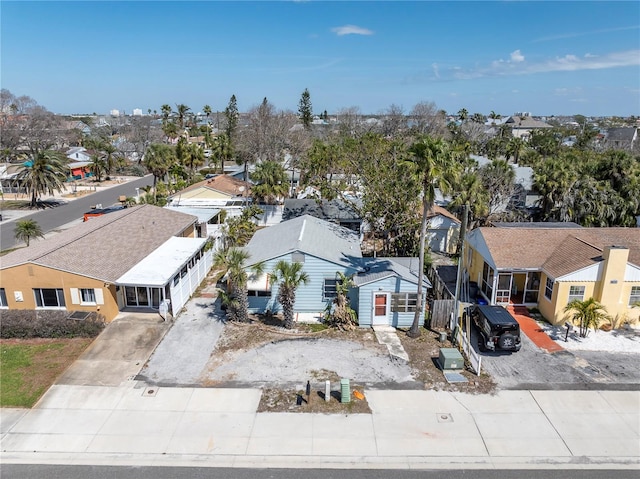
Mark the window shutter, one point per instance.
(75, 296)
(99, 296)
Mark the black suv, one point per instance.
(498, 329)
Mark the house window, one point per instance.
(259, 294)
(634, 297)
(3, 299)
(49, 298)
(404, 302)
(548, 290)
(576, 293)
(176, 279)
(87, 296)
(329, 289)
(297, 257)
(487, 281)
(183, 272)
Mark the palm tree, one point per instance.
(98, 166)
(207, 111)
(182, 111)
(46, 173)
(272, 181)
(434, 162)
(109, 150)
(170, 130)
(289, 277)
(194, 157)
(233, 262)
(588, 314)
(158, 160)
(222, 149)
(27, 229)
(339, 313)
(463, 114)
(166, 112)
(514, 148)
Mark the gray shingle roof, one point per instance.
(380, 268)
(309, 235)
(323, 209)
(107, 246)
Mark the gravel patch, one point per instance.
(183, 354)
(300, 359)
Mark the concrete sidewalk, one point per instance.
(137, 425)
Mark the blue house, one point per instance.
(385, 288)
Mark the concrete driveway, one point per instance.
(119, 352)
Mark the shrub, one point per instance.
(27, 324)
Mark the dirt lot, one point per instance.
(282, 361)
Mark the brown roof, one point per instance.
(105, 247)
(558, 251)
(439, 210)
(223, 183)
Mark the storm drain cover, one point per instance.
(452, 377)
(79, 315)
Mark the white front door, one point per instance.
(381, 303)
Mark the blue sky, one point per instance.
(547, 58)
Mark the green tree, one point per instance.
(158, 160)
(463, 114)
(231, 115)
(339, 313)
(109, 151)
(271, 182)
(27, 229)
(194, 157)
(588, 314)
(46, 173)
(233, 262)
(182, 111)
(305, 110)
(221, 149)
(289, 277)
(498, 179)
(238, 230)
(434, 163)
(207, 111)
(98, 166)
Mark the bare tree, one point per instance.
(394, 122)
(427, 119)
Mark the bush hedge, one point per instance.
(26, 324)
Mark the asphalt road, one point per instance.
(52, 218)
(14, 471)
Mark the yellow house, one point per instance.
(137, 258)
(547, 267)
(218, 191)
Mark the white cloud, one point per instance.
(569, 62)
(517, 57)
(436, 71)
(351, 30)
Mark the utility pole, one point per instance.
(463, 233)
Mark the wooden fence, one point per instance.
(440, 313)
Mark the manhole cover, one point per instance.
(150, 392)
(444, 417)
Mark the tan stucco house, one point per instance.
(137, 258)
(547, 267)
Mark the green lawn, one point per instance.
(29, 367)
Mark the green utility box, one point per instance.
(345, 391)
(450, 358)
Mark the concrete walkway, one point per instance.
(138, 425)
(388, 336)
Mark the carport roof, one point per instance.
(163, 263)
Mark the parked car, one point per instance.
(498, 329)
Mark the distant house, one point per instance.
(132, 259)
(443, 230)
(621, 138)
(384, 291)
(547, 267)
(522, 126)
(220, 191)
(335, 211)
(79, 154)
